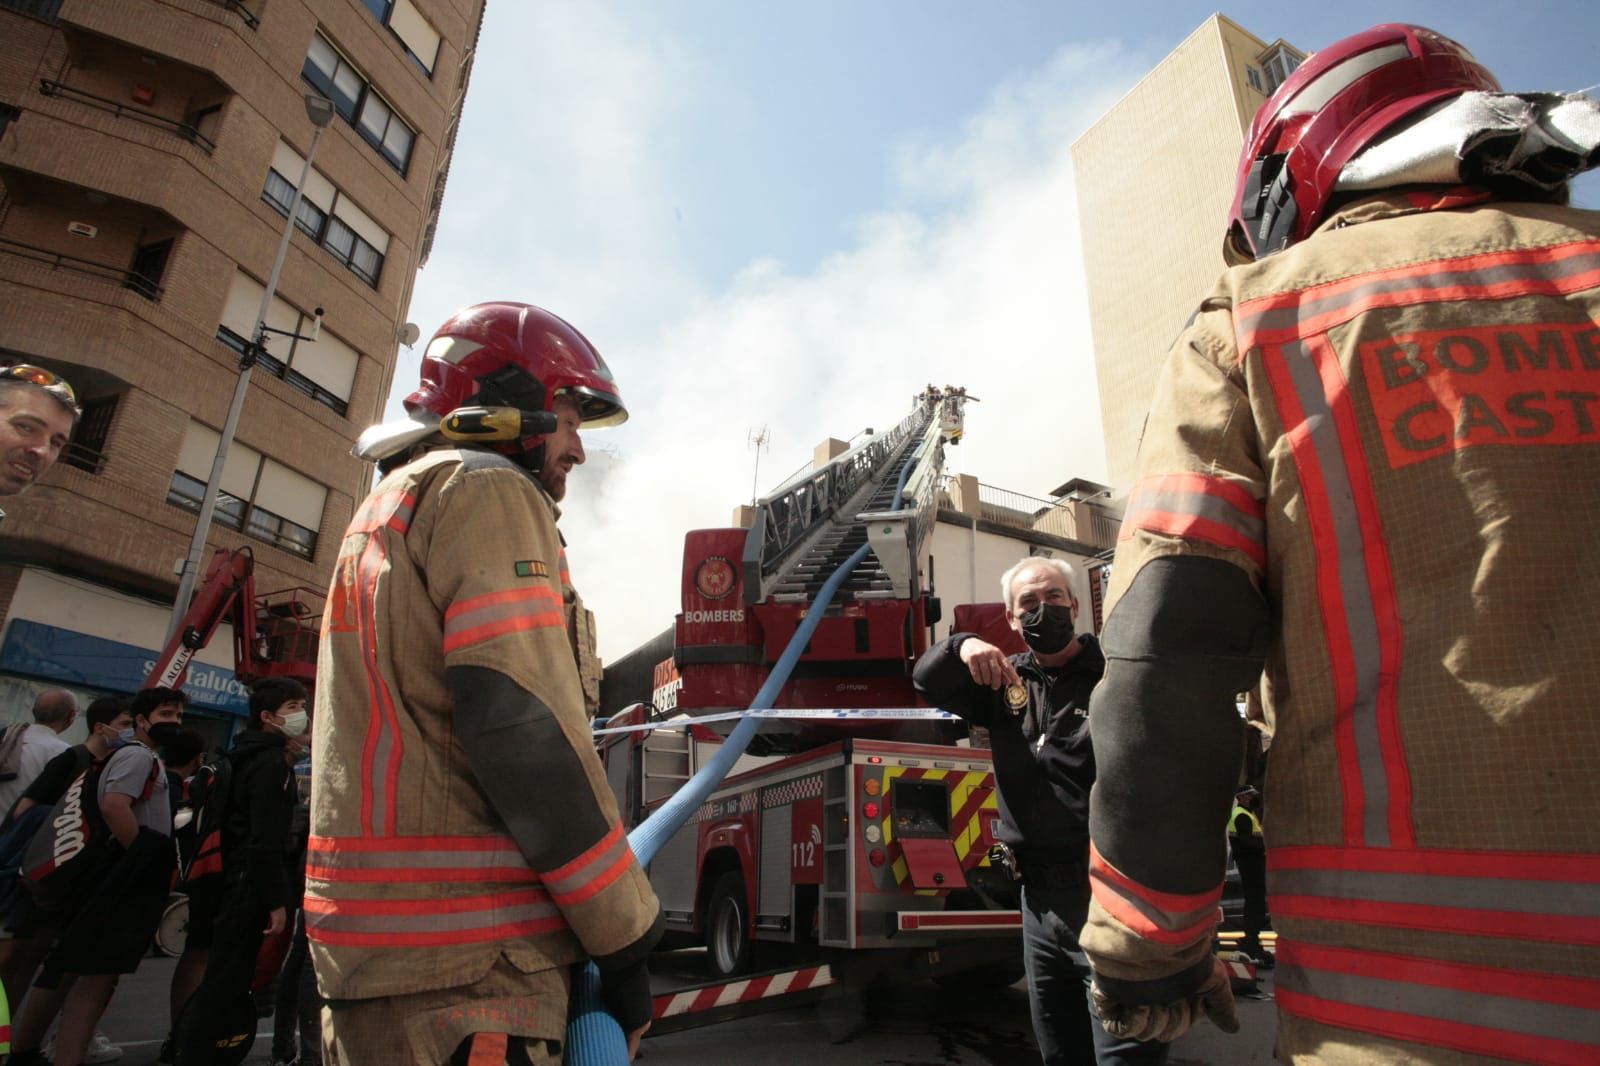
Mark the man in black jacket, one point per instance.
(259, 804)
(1036, 708)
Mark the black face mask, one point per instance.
(163, 733)
(1048, 628)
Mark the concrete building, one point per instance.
(1154, 176)
(148, 155)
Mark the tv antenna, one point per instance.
(758, 440)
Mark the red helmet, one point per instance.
(1339, 101)
(515, 355)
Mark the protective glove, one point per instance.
(1168, 1021)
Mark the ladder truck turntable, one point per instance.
(848, 847)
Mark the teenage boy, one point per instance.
(31, 932)
(259, 805)
(110, 930)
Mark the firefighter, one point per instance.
(1035, 706)
(465, 847)
(1370, 464)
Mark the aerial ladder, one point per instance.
(853, 831)
(746, 591)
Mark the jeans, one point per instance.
(297, 1017)
(1054, 908)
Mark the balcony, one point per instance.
(150, 118)
(127, 278)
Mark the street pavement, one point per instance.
(909, 1025)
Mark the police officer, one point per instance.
(1036, 708)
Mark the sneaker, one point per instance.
(27, 1058)
(167, 1054)
(101, 1049)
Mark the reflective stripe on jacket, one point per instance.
(413, 881)
(1394, 429)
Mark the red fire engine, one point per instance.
(860, 830)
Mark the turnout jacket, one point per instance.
(1389, 432)
(416, 879)
(1043, 761)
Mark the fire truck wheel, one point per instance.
(727, 926)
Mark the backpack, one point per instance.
(11, 751)
(74, 843)
(208, 793)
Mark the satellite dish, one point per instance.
(409, 334)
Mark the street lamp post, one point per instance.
(320, 110)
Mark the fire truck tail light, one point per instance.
(871, 810)
(875, 856)
(872, 786)
(875, 760)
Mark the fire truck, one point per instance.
(856, 828)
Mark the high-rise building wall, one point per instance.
(149, 151)
(1154, 176)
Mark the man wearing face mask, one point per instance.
(1036, 708)
(254, 890)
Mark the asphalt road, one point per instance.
(907, 1025)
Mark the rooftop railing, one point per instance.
(1059, 518)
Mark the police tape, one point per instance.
(841, 714)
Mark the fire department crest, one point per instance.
(714, 577)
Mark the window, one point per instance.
(204, 121)
(258, 496)
(355, 99)
(44, 9)
(324, 368)
(327, 216)
(149, 263)
(1254, 77)
(86, 449)
(327, 70)
(417, 37)
(1279, 61)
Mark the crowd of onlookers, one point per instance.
(103, 840)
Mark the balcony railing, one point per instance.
(128, 279)
(237, 8)
(138, 114)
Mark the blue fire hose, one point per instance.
(593, 1036)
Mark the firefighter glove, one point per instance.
(1168, 1021)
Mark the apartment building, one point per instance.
(149, 153)
(1154, 176)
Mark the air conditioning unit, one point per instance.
(82, 229)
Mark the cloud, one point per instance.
(970, 275)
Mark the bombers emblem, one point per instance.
(714, 577)
(1016, 698)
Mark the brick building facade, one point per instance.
(148, 155)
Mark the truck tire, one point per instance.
(727, 926)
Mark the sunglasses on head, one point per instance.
(45, 379)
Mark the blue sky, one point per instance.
(796, 216)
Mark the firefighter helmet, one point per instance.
(516, 355)
(1338, 102)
